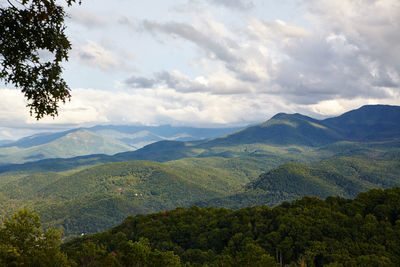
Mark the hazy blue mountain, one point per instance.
(66, 145)
(140, 136)
(136, 136)
(37, 139)
(5, 142)
(97, 140)
(293, 133)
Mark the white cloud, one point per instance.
(13, 110)
(87, 18)
(95, 55)
(337, 107)
(351, 53)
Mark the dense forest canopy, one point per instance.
(306, 232)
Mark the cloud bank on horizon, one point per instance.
(219, 62)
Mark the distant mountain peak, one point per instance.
(294, 116)
(371, 122)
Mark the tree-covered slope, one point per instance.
(206, 181)
(92, 199)
(340, 176)
(310, 232)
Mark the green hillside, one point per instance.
(91, 199)
(306, 232)
(107, 193)
(342, 176)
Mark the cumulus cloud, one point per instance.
(218, 83)
(215, 48)
(97, 56)
(245, 63)
(350, 52)
(146, 106)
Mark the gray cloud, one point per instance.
(235, 4)
(180, 83)
(86, 56)
(140, 82)
(216, 47)
(184, 84)
(188, 32)
(107, 56)
(350, 55)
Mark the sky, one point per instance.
(218, 63)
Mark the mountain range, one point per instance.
(282, 159)
(101, 139)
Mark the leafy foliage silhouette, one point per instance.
(28, 28)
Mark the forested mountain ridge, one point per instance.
(92, 199)
(306, 232)
(338, 176)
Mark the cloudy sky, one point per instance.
(219, 62)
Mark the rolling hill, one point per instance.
(338, 176)
(92, 199)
